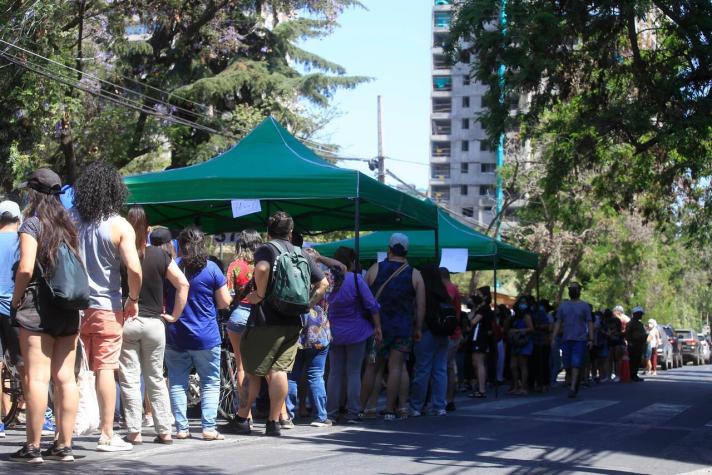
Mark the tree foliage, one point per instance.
(623, 85)
(616, 132)
(224, 65)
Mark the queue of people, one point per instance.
(322, 337)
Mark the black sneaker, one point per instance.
(62, 454)
(239, 426)
(27, 454)
(273, 429)
(450, 407)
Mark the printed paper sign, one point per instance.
(454, 260)
(245, 207)
(381, 256)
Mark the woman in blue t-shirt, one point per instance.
(194, 340)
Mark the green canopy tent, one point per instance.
(484, 253)
(272, 166)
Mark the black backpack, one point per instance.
(444, 322)
(68, 285)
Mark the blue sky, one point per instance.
(389, 42)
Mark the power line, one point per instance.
(104, 81)
(107, 95)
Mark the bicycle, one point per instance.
(12, 390)
(229, 395)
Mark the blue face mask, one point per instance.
(523, 306)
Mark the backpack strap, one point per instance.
(390, 278)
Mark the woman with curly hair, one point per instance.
(48, 334)
(106, 241)
(193, 341)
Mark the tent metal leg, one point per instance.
(537, 284)
(494, 267)
(437, 246)
(357, 232)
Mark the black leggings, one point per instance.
(539, 369)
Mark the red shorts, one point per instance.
(101, 333)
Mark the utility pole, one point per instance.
(381, 158)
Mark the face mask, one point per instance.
(523, 306)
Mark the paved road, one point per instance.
(661, 426)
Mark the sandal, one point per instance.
(159, 440)
(183, 435)
(210, 436)
(134, 442)
(478, 395)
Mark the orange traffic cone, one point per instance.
(625, 368)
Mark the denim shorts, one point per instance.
(573, 353)
(238, 319)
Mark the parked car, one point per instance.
(665, 354)
(691, 347)
(706, 350)
(676, 345)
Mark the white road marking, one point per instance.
(654, 414)
(575, 409)
(510, 403)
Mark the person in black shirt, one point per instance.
(144, 337)
(269, 345)
(482, 320)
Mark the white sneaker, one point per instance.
(440, 412)
(115, 444)
(616, 379)
(414, 413)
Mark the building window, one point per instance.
(487, 209)
(465, 102)
(465, 124)
(487, 190)
(440, 149)
(443, 2)
(442, 83)
(465, 146)
(464, 57)
(488, 168)
(440, 193)
(464, 168)
(442, 105)
(440, 171)
(441, 127)
(484, 146)
(442, 19)
(466, 80)
(463, 190)
(482, 102)
(468, 212)
(439, 39)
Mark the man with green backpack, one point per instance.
(287, 283)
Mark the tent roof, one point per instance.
(271, 165)
(483, 251)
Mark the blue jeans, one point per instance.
(238, 318)
(207, 364)
(345, 363)
(313, 362)
(430, 362)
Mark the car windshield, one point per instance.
(684, 335)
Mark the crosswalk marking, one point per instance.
(576, 408)
(507, 404)
(654, 414)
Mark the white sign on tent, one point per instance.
(245, 207)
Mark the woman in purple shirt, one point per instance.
(350, 330)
